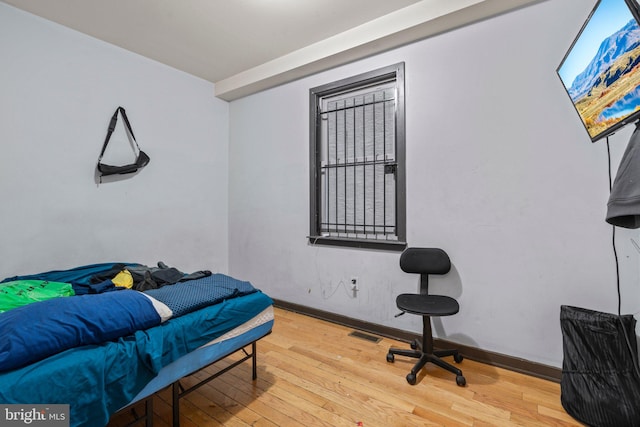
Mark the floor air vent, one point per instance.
(363, 336)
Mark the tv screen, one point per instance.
(601, 69)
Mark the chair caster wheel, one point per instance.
(457, 358)
(414, 344)
(411, 378)
(461, 381)
(390, 357)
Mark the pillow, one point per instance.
(161, 308)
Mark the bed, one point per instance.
(105, 348)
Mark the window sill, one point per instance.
(387, 245)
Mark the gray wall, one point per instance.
(500, 174)
(58, 89)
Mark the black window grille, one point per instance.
(357, 161)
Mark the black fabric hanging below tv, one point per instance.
(623, 208)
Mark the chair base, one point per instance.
(428, 357)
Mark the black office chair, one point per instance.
(426, 261)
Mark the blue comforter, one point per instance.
(97, 380)
(96, 352)
(41, 329)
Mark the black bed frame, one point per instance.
(178, 391)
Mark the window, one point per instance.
(357, 155)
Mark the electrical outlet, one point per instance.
(355, 284)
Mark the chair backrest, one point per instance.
(425, 261)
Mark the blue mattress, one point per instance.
(188, 296)
(97, 380)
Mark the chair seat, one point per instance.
(429, 305)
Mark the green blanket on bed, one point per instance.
(22, 292)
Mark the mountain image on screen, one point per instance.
(608, 90)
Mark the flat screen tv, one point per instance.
(601, 69)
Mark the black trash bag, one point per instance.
(600, 384)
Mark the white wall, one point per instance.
(500, 174)
(58, 89)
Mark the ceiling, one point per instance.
(244, 46)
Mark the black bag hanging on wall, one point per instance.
(141, 159)
(600, 384)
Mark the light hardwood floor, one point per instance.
(313, 373)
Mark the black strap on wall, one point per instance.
(142, 158)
